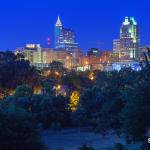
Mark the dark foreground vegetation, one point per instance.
(32, 100)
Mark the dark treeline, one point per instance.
(118, 101)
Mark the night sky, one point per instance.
(96, 22)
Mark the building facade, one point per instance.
(116, 45)
(28, 51)
(94, 52)
(129, 41)
(64, 38)
(145, 52)
(58, 33)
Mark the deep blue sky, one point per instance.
(96, 22)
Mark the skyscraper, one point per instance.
(68, 39)
(58, 33)
(129, 40)
(64, 38)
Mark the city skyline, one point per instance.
(96, 28)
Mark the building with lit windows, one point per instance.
(145, 52)
(64, 38)
(126, 51)
(58, 33)
(116, 45)
(37, 56)
(48, 55)
(94, 52)
(128, 46)
(76, 55)
(28, 51)
(129, 41)
(68, 41)
(97, 62)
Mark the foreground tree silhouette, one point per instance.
(18, 131)
(24, 91)
(136, 113)
(15, 71)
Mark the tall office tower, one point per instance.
(68, 41)
(64, 38)
(129, 41)
(58, 33)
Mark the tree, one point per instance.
(6, 57)
(18, 130)
(24, 91)
(136, 113)
(79, 118)
(15, 71)
(91, 100)
(41, 107)
(47, 86)
(108, 116)
(51, 110)
(60, 110)
(56, 66)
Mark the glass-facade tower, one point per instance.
(64, 38)
(58, 33)
(129, 40)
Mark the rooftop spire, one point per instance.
(58, 23)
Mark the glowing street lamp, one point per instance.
(57, 89)
(86, 63)
(91, 76)
(57, 73)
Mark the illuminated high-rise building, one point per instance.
(58, 33)
(68, 39)
(129, 41)
(64, 38)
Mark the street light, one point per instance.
(91, 76)
(58, 88)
